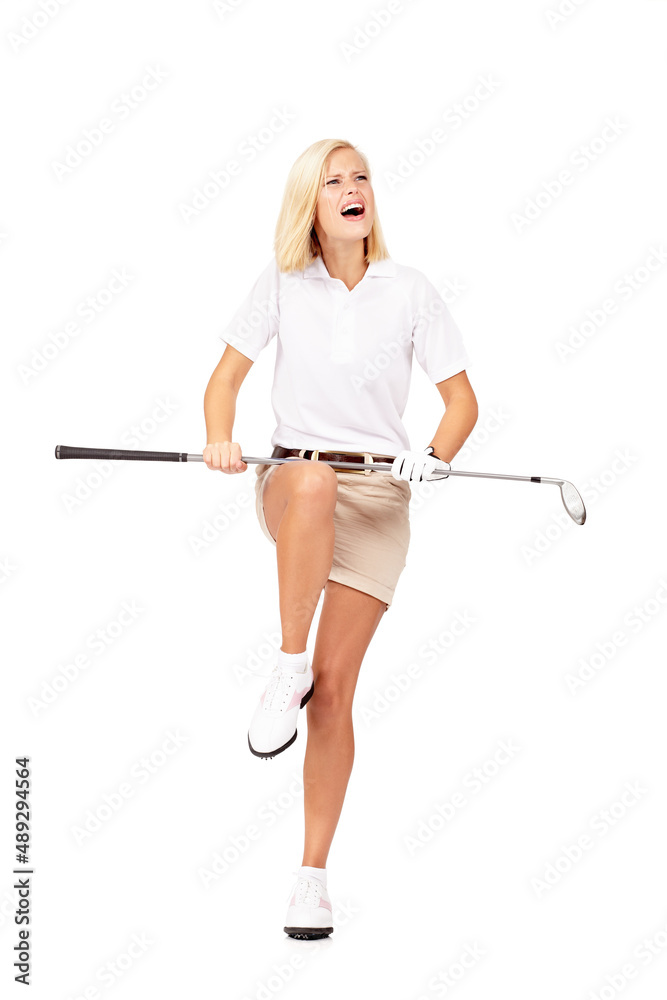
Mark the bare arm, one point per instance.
(220, 411)
(459, 419)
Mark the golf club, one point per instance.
(572, 501)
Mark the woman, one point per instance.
(347, 320)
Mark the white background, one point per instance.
(545, 596)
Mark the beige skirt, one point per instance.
(372, 530)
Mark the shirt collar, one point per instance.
(376, 269)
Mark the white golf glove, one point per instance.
(415, 466)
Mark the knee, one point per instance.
(314, 484)
(329, 702)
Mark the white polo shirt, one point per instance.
(344, 358)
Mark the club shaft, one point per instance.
(385, 467)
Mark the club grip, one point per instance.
(65, 451)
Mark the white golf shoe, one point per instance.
(273, 726)
(309, 912)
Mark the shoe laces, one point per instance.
(279, 689)
(308, 890)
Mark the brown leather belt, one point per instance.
(315, 454)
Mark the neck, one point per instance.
(344, 260)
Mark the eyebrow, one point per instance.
(362, 171)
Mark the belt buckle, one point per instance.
(368, 459)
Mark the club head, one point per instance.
(572, 502)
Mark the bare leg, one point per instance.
(347, 624)
(299, 501)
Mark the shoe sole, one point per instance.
(307, 933)
(272, 753)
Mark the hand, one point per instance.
(416, 466)
(225, 456)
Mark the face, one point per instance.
(345, 183)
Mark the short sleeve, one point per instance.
(436, 339)
(256, 320)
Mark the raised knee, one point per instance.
(314, 482)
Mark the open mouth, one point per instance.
(355, 210)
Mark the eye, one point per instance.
(334, 180)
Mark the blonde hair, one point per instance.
(295, 242)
